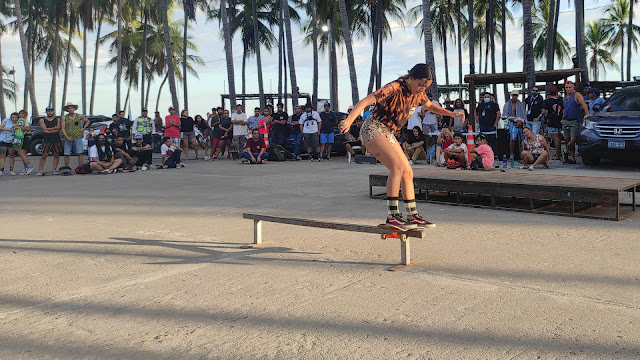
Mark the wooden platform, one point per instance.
(581, 196)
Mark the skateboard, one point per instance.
(395, 232)
(65, 171)
(362, 159)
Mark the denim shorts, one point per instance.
(326, 138)
(515, 133)
(554, 131)
(74, 146)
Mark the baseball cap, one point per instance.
(327, 104)
(350, 108)
(49, 108)
(171, 108)
(595, 91)
(138, 137)
(144, 110)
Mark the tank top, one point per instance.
(572, 109)
(51, 138)
(73, 126)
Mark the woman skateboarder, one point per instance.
(393, 105)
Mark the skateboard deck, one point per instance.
(362, 159)
(66, 171)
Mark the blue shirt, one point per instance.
(597, 101)
(254, 120)
(7, 136)
(572, 109)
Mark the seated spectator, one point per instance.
(170, 153)
(536, 150)
(102, 158)
(255, 152)
(481, 155)
(142, 152)
(444, 141)
(353, 137)
(122, 151)
(457, 151)
(414, 146)
(91, 137)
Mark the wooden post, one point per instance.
(257, 231)
(472, 103)
(405, 251)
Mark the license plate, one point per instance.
(616, 144)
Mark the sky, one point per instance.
(401, 52)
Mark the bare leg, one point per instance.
(526, 157)
(329, 151)
(80, 159)
(194, 142)
(542, 159)
(400, 172)
(56, 160)
(321, 149)
(43, 161)
(558, 145)
(66, 160)
(571, 148)
(25, 160)
(511, 144)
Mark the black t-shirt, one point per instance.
(411, 139)
(139, 146)
(487, 112)
(295, 129)
(123, 128)
(555, 109)
(186, 124)
(354, 130)
(329, 122)
(125, 147)
(277, 128)
(534, 106)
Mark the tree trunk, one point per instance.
(228, 48)
(446, 61)
(3, 112)
(256, 39)
(160, 89)
(146, 100)
(379, 27)
(292, 67)
(54, 70)
(472, 58)
(67, 61)
(374, 59)
(492, 35)
(126, 98)
(30, 34)
(95, 64)
(550, 36)
(184, 61)
(83, 70)
(334, 80)
(459, 35)
(629, 38)
(169, 55)
(355, 97)
(119, 57)
(314, 21)
(244, 74)
(480, 55)
(622, 60)
(428, 45)
(280, 52)
(143, 60)
(528, 44)
(580, 46)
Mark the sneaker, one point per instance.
(411, 162)
(144, 167)
(27, 170)
(55, 172)
(39, 173)
(1, 173)
(206, 158)
(398, 221)
(419, 221)
(571, 161)
(320, 159)
(181, 165)
(245, 161)
(565, 157)
(105, 172)
(214, 158)
(12, 173)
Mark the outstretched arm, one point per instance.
(439, 110)
(345, 124)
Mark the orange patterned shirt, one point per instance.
(395, 104)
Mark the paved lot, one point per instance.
(148, 265)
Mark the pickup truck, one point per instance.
(35, 137)
(615, 131)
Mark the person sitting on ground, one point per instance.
(353, 137)
(142, 152)
(536, 150)
(457, 151)
(255, 152)
(171, 153)
(122, 151)
(444, 141)
(482, 154)
(414, 146)
(102, 158)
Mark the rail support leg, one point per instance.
(405, 255)
(257, 232)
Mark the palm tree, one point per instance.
(380, 13)
(256, 40)
(72, 21)
(629, 39)
(226, 31)
(25, 59)
(169, 54)
(459, 38)
(3, 113)
(189, 7)
(292, 66)
(580, 46)
(597, 39)
(103, 14)
(528, 44)
(347, 41)
(471, 38)
(540, 26)
(9, 89)
(314, 44)
(119, 67)
(551, 8)
(616, 20)
(428, 45)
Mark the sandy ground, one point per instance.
(148, 265)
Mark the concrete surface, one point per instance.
(148, 265)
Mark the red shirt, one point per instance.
(172, 131)
(255, 146)
(446, 143)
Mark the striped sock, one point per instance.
(392, 205)
(411, 207)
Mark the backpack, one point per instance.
(84, 169)
(453, 164)
(278, 153)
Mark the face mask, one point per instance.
(100, 142)
(534, 94)
(487, 100)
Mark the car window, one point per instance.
(624, 100)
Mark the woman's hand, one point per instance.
(344, 126)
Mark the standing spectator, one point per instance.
(172, 126)
(367, 112)
(515, 111)
(264, 125)
(102, 158)
(21, 127)
(414, 146)
(310, 123)
(296, 131)
(6, 143)
(253, 120)
(457, 124)
(123, 126)
(535, 103)
(329, 122)
(416, 118)
(144, 126)
(255, 149)
(122, 151)
(141, 151)
(488, 114)
(575, 110)
(170, 153)
(203, 126)
(280, 119)
(595, 101)
(447, 121)
(226, 131)
(353, 137)
(188, 134)
(51, 127)
(240, 131)
(536, 150)
(213, 119)
(553, 111)
(430, 120)
(481, 155)
(73, 126)
(157, 120)
(114, 125)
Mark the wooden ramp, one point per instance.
(405, 249)
(581, 196)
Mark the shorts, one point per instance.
(554, 131)
(326, 138)
(311, 140)
(570, 128)
(429, 128)
(515, 133)
(51, 148)
(477, 163)
(535, 126)
(74, 146)
(188, 135)
(205, 132)
(535, 157)
(4, 147)
(372, 128)
(175, 140)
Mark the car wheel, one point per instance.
(591, 159)
(36, 147)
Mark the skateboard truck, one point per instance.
(394, 235)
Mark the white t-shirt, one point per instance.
(93, 152)
(415, 119)
(462, 146)
(165, 150)
(239, 129)
(429, 117)
(310, 123)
